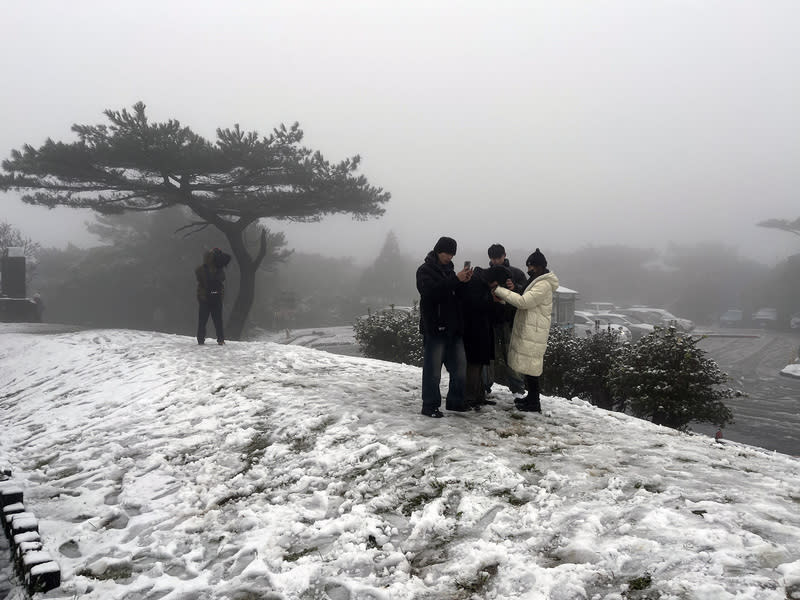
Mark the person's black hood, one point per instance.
(433, 259)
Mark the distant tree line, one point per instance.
(141, 276)
(699, 281)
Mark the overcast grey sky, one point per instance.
(553, 124)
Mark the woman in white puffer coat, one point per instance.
(531, 327)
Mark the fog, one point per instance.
(552, 124)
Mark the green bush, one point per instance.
(667, 379)
(579, 366)
(597, 354)
(391, 335)
(560, 363)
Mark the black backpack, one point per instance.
(214, 281)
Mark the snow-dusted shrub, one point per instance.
(579, 366)
(597, 354)
(391, 335)
(667, 379)
(560, 363)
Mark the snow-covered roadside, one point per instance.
(160, 469)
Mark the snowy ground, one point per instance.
(340, 340)
(164, 470)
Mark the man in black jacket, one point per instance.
(442, 328)
(502, 329)
(210, 291)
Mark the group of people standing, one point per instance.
(469, 320)
(468, 316)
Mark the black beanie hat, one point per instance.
(445, 244)
(537, 258)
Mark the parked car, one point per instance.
(733, 317)
(794, 321)
(644, 316)
(587, 323)
(600, 307)
(765, 317)
(637, 327)
(666, 317)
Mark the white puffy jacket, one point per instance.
(531, 323)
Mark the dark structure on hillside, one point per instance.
(15, 306)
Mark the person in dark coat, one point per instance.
(210, 292)
(442, 327)
(498, 369)
(481, 312)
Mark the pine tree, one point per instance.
(390, 279)
(135, 165)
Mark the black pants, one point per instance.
(214, 308)
(474, 392)
(532, 399)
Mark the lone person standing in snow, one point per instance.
(442, 327)
(210, 290)
(531, 327)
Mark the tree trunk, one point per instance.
(248, 267)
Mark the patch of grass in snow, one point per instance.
(303, 443)
(476, 583)
(652, 488)
(247, 595)
(419, 500)
(434, 553)
(510, 498)
(254, 450)
(640, 583)
(515, 429)
(295, 556)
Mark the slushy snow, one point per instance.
(160, 469)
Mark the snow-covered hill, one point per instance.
(160, 469)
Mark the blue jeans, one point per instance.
(438, 350)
